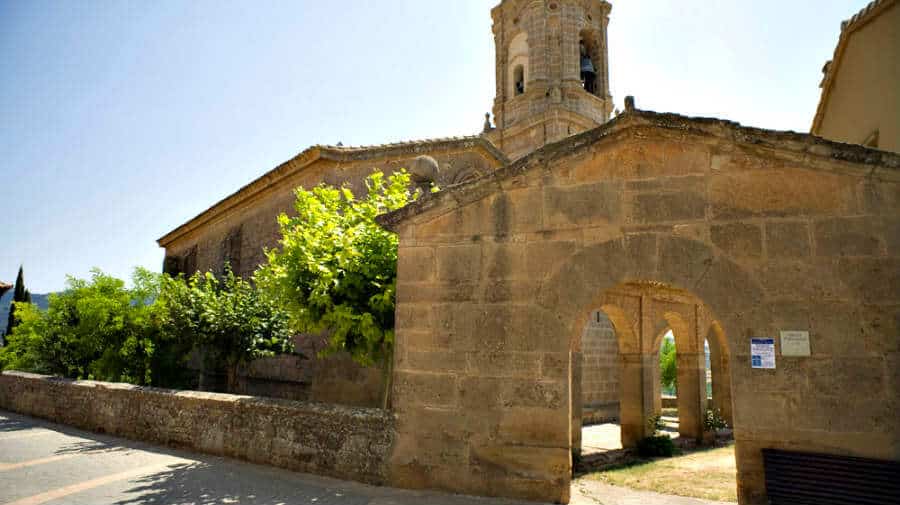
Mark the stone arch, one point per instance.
(518, 56)
(580, 282)
(625, 336)
(731, 293)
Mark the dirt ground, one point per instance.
(707, 474)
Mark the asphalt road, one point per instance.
(42, 462)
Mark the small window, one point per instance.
(519, 79)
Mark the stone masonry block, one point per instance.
(779, 193)
(787, 239)
(458, 262)
(597, 203)
(544, 257)
(424, 389)
(848, 237)
(663, 207)
(416, 264)
(738, 239)
(504, 260)
(534, 426)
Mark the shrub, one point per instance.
(99, 329)
(336, 268)
(229, 319)
(95, 329)
(713, 421)
(656, 446)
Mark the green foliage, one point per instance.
(667, 365)
(656, 446)
(232, 321)
(99, 329)
(20, 296)
(336, 268)
(94, 329)
(714, 421)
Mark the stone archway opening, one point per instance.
(617, 387)
(667, 382)
(597, 423)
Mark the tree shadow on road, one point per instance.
(212, 483)
(10, 424)
(89, 446)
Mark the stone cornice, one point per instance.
(860, 159)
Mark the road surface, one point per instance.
(46, 463)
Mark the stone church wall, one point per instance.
(240, 237)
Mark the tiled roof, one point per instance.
(330, 152)
(860, 16)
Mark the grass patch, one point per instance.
(707, 474)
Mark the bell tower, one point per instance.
(552, 71)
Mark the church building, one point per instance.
(566, 244)
(552, 82)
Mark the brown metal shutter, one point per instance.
(797, 478)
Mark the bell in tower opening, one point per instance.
(551, 77)
(588, 72)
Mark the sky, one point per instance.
(120, 120)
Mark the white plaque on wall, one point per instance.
(795, 343)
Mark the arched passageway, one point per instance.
(628, 330)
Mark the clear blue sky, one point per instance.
(120, 120)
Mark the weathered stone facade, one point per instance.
(341, 442)
(770, 231)
(656, 221)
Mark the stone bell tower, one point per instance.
(552, 71)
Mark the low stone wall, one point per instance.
(335, 441)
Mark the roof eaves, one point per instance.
(312, 154)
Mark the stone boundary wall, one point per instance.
(330, 440)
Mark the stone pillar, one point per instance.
(636, 403)
(721, 384)
(691, 393)
(577, 408)
(657, 386)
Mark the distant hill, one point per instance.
(42, 301)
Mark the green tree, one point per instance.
(667, 365)
(229, 321)
(95, 328)
(20, 296)
(336, 269)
